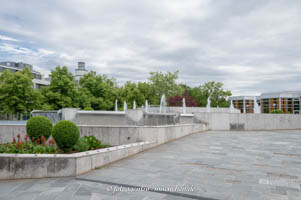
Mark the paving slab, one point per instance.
(209, 165)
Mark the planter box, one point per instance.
(19, 166)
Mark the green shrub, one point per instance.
(105, 146)
(93, 142)
(65, 133)
(39, 126)
(81, 145)
(277, 111)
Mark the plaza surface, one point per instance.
(208, 165)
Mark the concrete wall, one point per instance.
(100, 119)
(8, 132)
(226, 121)
(130, 117)
(186, 119)
(129, 134)
(113, 135)
(20, 166)
(194, 110)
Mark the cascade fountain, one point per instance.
(134, 105)
(257, 109)
(163, 104)
(231, 107)
(116, 105)
(208, 104)
(184, 106)
(146, 106)
(125, 107)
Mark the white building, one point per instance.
(80, 71)
(38, 80)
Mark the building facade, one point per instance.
(244, 103)
(14, 67)
(287, 101)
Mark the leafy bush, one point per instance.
(277, 111)
(39, 126)
(81, 145)
(65, 133)
(93, 142)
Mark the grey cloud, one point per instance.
(251, 46)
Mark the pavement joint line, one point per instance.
(149, 190)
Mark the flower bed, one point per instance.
(40, 146)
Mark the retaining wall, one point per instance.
(233, 121)
(20, 166)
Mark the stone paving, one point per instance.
(211, 165)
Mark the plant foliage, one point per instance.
(39, 126)
(65, 133)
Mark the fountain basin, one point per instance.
(186, 118)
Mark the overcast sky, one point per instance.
(251, 46)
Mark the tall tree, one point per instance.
(164, 84)
(147, 91)
(62, 91)
(103, 90)
(16, 92)
(130, 93)
(218, 95)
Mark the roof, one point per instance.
(243, 97)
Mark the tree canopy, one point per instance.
(98, 92)
(218, 96)
(101, 90)
(62, 91)
(16, 92)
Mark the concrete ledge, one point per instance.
(20, 166)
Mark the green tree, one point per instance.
(164, 84)
(218, 95)
(62, 91)
(197, 94)
(85, 99)
(130, 93)
(147, 91)
(17, 95)
(103, 90)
